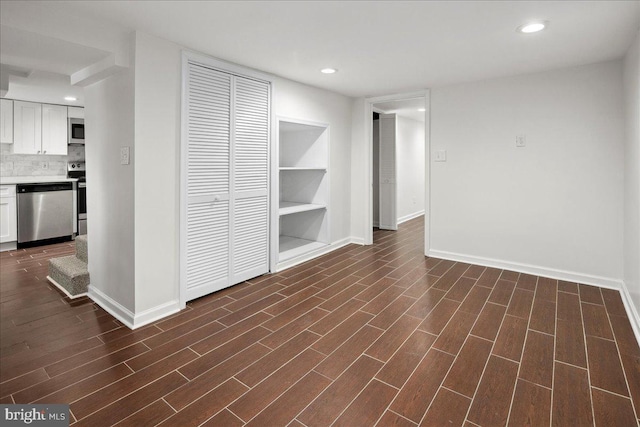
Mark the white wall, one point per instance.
(410, 167)
(557, 203)
(109, 119)
(632, 173)
(156, 107)
(295, 100)
(360, 173)
(157, 135)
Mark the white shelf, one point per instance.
(291, 247)
(311, 168)
(302, 223)
(288, 208)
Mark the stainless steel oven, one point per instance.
(77, 170)
(82, 207)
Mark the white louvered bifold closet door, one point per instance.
(227, 131)
(251, 179)
(208, 180)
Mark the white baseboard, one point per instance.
(411, 216)
(112, 307)
(156, 313)
(134, 321)
(569, 276)
(123, 314)
(66, 292)
(356, 240)
(314, 254)
(376, 224)
(8, 246)
(632, 311)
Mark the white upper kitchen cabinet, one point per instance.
(76, 113)
(27, 127)
(6, 121)
(39, 128)
(54, 129)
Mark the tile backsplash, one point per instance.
(36, 165)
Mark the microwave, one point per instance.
(76, 131)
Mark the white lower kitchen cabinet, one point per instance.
(8, 218)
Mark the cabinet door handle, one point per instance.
(38, 151)
(44, 152)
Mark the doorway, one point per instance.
(399, 169)
(385, 191)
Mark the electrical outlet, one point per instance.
(124, 155)
(440, 156)
(521, 140)
(44, 165)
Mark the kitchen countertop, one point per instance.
(9, 180)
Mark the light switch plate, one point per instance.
(440, 156)
(124, 155)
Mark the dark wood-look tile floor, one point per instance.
(376, 335)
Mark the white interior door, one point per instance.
(387, 172)
(208, 180)
(376, 172)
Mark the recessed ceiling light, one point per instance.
(328, 70)
(70, 98)
(422, 109)
(532, 27)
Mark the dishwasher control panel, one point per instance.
(39, 188)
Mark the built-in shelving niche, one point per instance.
(303, 178)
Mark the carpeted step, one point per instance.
(82, 248)
(70, 274)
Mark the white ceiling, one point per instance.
(379, 47)
(34, 51)
(39, 67)
(42, 86)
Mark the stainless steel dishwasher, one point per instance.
(45, 211)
